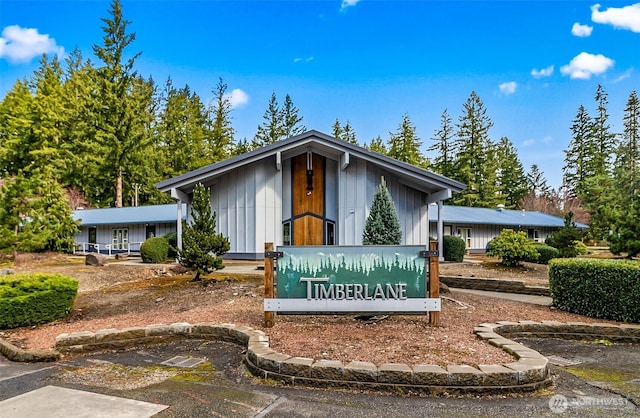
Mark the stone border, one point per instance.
(529, 372)
(494, 285)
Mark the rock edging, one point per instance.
(529, 372)
(494, 285)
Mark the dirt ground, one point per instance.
(119, 295)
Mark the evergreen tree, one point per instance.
(377, 145)
(290, 119)
(537, 182)
(271, 129)
(202, 248)
(15, 129)
(382, 226)
(604, 139)
(120, 127)
(511, 177)
(241, 147)
(182, 132)
(444, 162)
(345, 133)
(565, 238)
(628, 154)
(404, 144)
(222, 132)
(579, 156)
(475, 165)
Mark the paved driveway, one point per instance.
(207, 379)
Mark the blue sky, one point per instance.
(533, 63)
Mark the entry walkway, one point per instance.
(536, 300)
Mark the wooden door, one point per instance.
(308, 199)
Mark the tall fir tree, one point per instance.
(120, 127)
(444, 146)
(377, 145)
(345, 133)
(511, 177)
(475, 163)
(382, 226)
(15, 128)
(202, 248)
(291, 120)
(221, 136)
(404, 144)
(270, 130)
(604, 139)
(579, 155)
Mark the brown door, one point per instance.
(308, 199)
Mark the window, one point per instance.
(120, 239)
(150, 231)
(286, 233)
(533, 234)
(465, 234)
(330, 233)
(93, 233)
(448, 230)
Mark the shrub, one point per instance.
(606, 289)
(154, 250)
(35, 298)
(545, 253)
(454, 248)
(172, 239)
(565, 238)
(512, 248)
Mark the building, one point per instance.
(478, 226)
(311, 189)
(117, 230)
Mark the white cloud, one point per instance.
(545, 72)
(627, 17)
(584, 65)
(508, 88)
(20, 45)
(547, 139)
(237, 98)
(582, 31)
(299, 59)
(348, 3)
(528, 143)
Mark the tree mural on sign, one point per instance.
(382, 226)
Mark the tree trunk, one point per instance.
(197, 278)
(119, 188)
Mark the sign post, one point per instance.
(269, 316)
(434, 281)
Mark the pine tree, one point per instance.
(604, 139)
(202, 248)
(377, 145)
(404, 145)
(345, 133)
(290, 119)
(444, 162)
(475, 165)
(222, 132)
(382, 226)
(579, 156)
(511, 177)
(271, 129)
(120, 127)
(15, 128)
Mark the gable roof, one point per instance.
(504, 217)
(418, 178)
(129, 215)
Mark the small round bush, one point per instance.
(545, 253)
(172, 239)
(512, 247)
(454, 248)
(154, 250)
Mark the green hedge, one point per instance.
(154, 250)
(454, 248)
(545, 254)
(37, 298)
(606, 289)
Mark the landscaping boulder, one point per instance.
(95, 259)
(444, 289)
(5, 272)
(121, 256)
